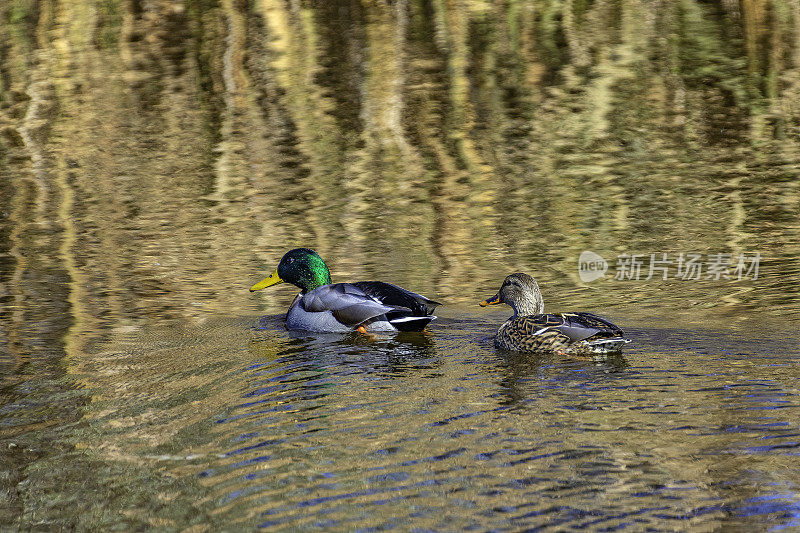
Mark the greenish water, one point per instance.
(158, 157)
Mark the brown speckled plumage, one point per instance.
(532, 331)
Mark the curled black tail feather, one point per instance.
(395, 296)
(409, 323)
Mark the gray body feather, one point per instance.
(342, 307)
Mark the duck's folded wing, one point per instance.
(398, 297)
(581, 326)
(577, 331)
(591, 320)
(575, 326)
(348, 304)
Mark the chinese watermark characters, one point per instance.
(662, 266)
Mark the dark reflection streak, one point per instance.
(262, 444)
(13, 276)
(202, 48)
(341, 29)
(423, 118)
(286, 378)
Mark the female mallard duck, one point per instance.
(530, 330)
(323, 306)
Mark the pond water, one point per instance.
(240, 425)
(157, 158)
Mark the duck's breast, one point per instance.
(324, 322)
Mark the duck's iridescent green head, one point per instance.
(302, 267)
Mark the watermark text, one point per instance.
(663, 266)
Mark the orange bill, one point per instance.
(491, 301)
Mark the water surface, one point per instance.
(158, 157)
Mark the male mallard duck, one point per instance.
(323, 306)
(530, 330)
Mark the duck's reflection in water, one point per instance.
(524, 377)
(344, 352)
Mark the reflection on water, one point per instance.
(241, 429)
(171, 151)
(158, 156)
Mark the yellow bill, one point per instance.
(273, 279)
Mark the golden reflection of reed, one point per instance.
(54, 199)
(387, 181)
(239, 151)
(236, 87)
(577, 136)
(378, 167)
(443, 120)
(19, 204)
(33, 132)
(484, 137)
(69, 49)
(293, 43)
